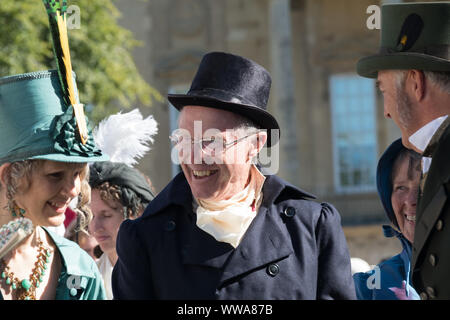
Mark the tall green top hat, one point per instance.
(40, 113)
(413, 36)
(36, 123)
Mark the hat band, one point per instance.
(222, 95)
(439, 51)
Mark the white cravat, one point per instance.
(421, 138)
(228, 220)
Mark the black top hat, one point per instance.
(232, 83)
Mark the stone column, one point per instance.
(283, 95)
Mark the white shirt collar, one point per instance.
(421, 138)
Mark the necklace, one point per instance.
(26, 289)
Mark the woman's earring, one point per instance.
(22, 212)
(15, 208)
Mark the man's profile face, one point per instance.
(227, 174)
(397, 105)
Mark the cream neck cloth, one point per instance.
(228, 220)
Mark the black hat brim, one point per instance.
(258, 116)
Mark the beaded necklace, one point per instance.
(26, 289)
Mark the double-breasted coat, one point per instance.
(294, 249)
(431, 246)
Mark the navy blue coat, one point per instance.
(294, 249)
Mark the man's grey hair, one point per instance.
(400, 78)
(246, 127)
(440, 79)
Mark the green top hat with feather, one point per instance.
(413, 36)
(40, 113)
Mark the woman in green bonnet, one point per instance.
(42, 170)
(44, 150)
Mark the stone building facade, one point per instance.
(332, 126)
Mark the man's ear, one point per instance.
(3, 170)
(257, 141)
(417, 84)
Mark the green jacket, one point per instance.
(79, 278)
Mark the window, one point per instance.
(352, 101)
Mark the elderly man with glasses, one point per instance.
(221, 229)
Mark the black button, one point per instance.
(273, 269)
(170, 226)
(289, 212)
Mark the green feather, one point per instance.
(52, 7)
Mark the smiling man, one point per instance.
(413, 73)
(221, 229)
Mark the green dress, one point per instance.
(79, 278)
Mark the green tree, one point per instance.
(107, 76)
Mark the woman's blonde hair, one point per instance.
(18, 179)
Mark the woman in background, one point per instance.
(398, 178)
(119, 192)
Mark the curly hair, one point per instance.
(112, 192)
(18, 177)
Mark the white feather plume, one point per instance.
(124, 137)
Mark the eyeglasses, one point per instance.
(210, 146)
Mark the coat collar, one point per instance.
(434, 195)
(265, 240)
(71, 257)
(276, 189)
(389, 232)
(263, 243)
(178, 192)
(442, 123)
(427, 219)
(438, 174)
